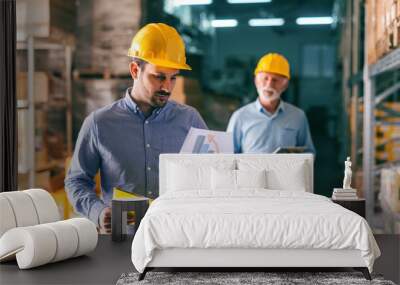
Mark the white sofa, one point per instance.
(189, 203)
(31, 231)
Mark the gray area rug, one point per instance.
(228, 278)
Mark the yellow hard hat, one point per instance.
(275, 63)
(161, 45)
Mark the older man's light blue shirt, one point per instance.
(257, 131)
(125, 146)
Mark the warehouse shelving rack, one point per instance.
(390, 62)
(31, 44)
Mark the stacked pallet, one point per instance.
(388, 143)
(105, 31)
(41, 94)
(390, 187)
(50, 22)
(387, 132)
(92, 94)
(390, 198)
(382, 28)
(50, 146)
(51, 19)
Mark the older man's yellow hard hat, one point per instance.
(161, 45)
(275, 63)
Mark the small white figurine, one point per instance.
(347, 174)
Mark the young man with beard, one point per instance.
(269, 122)
(124, 140)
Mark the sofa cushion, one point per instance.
(40, 244)
(23, 208)
(27, 208)
(45, 205)
(7, 216)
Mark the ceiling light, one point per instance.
(314, 21)
(191, 2)
(247, 1)
(224, 23)
(266, 22)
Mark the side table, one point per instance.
(355, 205)
(119, 210)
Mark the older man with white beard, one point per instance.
(269, 122)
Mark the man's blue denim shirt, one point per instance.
(125, 146)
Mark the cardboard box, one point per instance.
(57, 181)
(55, 143)
(41, 159)
(105, 30)
(390, 187)
(94, 93)
(188, 91)
(42, 180)
(370, 35)
(382, 28)
(23, 181)
(396, 32)
(178, 93)
(41, 87)
(54, 19)
(397, 9)
(41, 155)
(40, 129)
(358, 183)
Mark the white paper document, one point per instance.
(205, 141)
